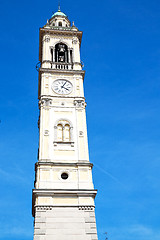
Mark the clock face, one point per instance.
(62, 86)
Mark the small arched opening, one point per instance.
(60, 24)
(61, 53)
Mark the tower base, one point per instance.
(69, 223)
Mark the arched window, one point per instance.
(60, 24)
(66, 133)
(61, 53)
(63, 131)
(59, 133)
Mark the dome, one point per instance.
(59, 13)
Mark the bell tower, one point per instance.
(63, 197)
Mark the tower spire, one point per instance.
(59, 9)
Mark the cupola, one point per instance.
(59, 19)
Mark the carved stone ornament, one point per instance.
(45, 102)
(47, 38)
(75, 40)
(79, 103)
(90, 208)
(46, 132)
(81, 133)
(43, 208)
(60, 39)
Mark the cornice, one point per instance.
(50, 207)
(81, 164)
(54, 96)
(44, 207)
(62, 32)
(58, 71)
(51, 192)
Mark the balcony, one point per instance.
(61, 66)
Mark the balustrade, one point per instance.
(61, 66)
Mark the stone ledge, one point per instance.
(48, 162)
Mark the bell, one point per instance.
(61, 48)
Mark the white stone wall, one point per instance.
(69, 223)
(49, 177)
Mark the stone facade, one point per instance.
(63, 198)
(65, 222)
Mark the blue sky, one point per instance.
(121, 55)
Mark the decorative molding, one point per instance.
(86, 208)
(63, 119)
(79, 103)
(81, 164)
(56, 143)
(81, 133)
(52, 70)
(46, 38)
(75, 40)
(45, 102)
(51, 207)
(43, 208)
(73, 192)
(61, 40)
(46, 132)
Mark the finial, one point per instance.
(59, 9)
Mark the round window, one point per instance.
(64, 176)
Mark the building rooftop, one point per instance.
(59, 13)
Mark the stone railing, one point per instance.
(61, 66)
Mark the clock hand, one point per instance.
(66, 88)
(63, 85)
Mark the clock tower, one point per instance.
(63, 197)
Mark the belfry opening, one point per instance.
(61, 53)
